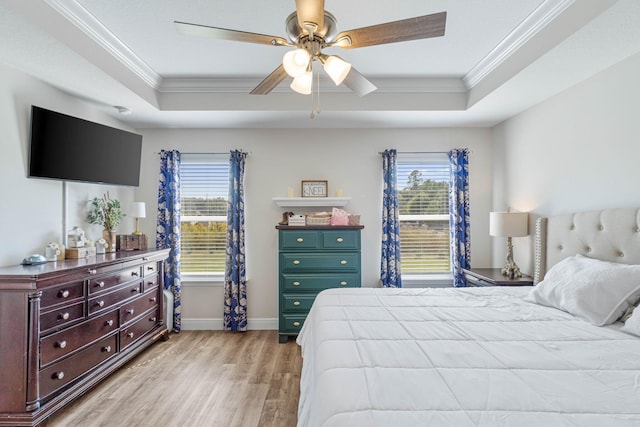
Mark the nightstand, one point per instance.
(493, 277)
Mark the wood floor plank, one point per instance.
(198, 378)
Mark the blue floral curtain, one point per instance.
(459, 223)
(235, 280)
(168, 229)
(390, 259)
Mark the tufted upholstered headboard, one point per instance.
(609, 235)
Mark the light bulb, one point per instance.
(302, 83)
(336, 68)
(296, 62)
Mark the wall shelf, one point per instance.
(297, 202)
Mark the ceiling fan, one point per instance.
(310, 29)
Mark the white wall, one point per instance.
(576, 151)
(279, 159)
(32, 209)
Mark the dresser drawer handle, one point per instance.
(296, 283)
(58, 375)
(339, 240)
(64, 316)
(152, 299)
(106, 349)
(150, 268)
(153, 319)
(130, 311)
(296, 303)
(99, 304)
(299, 240)
(134, 274)
(150, 283)
(130, 334)
(100, 284)
(134, 290)
(61, 344)
(63, 294)
(109, 323)
(343, 283)
(343, 262)
(296, 324)
(93, 271)
(296, 262)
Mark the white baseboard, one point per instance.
(216, 324)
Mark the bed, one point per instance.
(500, 356)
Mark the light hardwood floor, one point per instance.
(198, 378)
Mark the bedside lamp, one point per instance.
(138, 211)
(509, 224)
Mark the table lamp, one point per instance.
(138, 211)
(509, 224)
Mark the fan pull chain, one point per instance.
(317, 98)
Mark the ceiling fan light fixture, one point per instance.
(296, 62)
(336, 68)
(302, 83)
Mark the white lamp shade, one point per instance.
(138, 210)
(508, 224)
(296, 62)
(336, 68)
(302, 83)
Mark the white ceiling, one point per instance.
(497, 58)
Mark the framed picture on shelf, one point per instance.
(315, 188)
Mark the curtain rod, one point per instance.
(211, 152)
(418, 152)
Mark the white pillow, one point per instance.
(593, 290)
(632, 325)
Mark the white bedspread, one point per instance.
(461, 357)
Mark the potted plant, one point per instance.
(106, 212)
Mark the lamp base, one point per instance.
(511, 270)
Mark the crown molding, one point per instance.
(85, 21)
(529, 27)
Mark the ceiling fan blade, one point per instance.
(358, 83)
(311, 11)
(270, 82)
(420, 27)
(224, 34)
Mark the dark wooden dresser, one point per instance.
(66, 325)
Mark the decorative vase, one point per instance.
(110, 239)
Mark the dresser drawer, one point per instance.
(329, 261)
(56, 346)
(150, 269)
(299, 239)
(296, 303)
(59, 374)
(138, 329)
(340, 239)
(318, 282)
(61, 294)
(150, 282)
(134, 308)
(291, 323)
(110, 281)
(61, 316)
(104, 301)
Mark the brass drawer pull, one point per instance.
(339, 240)
(343, 283)
(108, 323)
(296, 303)
(296, 283)
(296, 262)
(296, 324)
(64, 316)
(58, 375)
(63, 294)
(343, 262)
(107, 349)
(299, 240)
(61, 344)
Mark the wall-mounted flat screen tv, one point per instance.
(72, 149)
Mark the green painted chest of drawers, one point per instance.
(312, 259)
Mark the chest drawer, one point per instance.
(134, 308)
(299, 239)
(109, 281)
(319, 282)
(56, 346)
(104, 301)
(62, 373)
(340, 239)
(150, 269)
(335, 261)
(61, 316)
(297, 303)
(61, 294)
(138, 329)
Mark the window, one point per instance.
(423, 200)
(204, 182)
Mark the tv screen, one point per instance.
(72, 149)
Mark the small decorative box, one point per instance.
(296, 220)
(131, 242)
